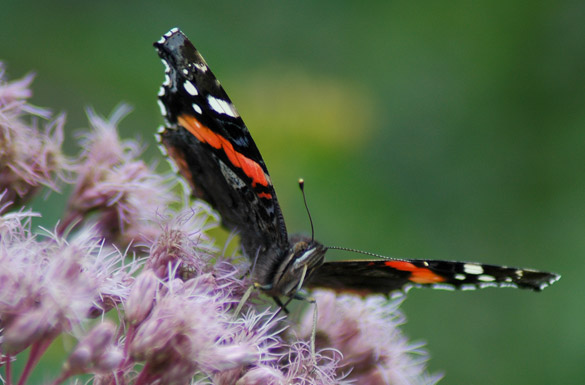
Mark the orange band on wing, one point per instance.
(252, 169)
(420, 275)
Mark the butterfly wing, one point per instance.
(213, 150)
(209, 143)
(385, 276)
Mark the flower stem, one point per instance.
(144, 376)
(8, 370)
(36, 351)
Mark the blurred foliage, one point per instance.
(450, 130)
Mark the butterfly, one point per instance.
(211, 147)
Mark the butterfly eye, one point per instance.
(312, 256)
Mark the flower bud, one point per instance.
(141, 298)
(91, 347)
(27, 329)
(262, 375)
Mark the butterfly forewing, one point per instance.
(213, 150)
(385, 276)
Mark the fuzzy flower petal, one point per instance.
(29, 157)
(366, 331)
(113, 186)
(142, 297)
(304, 368)
(183, 244)
(180, 336)
(95, 351)
(48, 284)
(262, 375)
(184, 247)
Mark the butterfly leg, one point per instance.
(314, 328)
(245, 297)
(281, 305)
(298, 294)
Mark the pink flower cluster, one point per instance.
(29, 157)
(164, 310)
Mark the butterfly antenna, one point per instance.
(302, 187)
(357, 251)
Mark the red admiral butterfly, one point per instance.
(213, 150)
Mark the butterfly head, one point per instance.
(303, 256)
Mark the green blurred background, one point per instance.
(447, 130)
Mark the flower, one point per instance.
(29, 157)
(186, 333)
(142, 296)
(366, 332)
(184, 247)
(176, 297)
(49, 284)
(96, 351)
(182, 242)
(115, 188)
(298, 365)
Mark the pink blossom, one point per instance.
(49, 284)
(114, 187)
(96, 351)
(175, 294)
(183, 335)
(182, 242)
(366, 332)
(142, 296)
(29, 157)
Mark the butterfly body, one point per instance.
(213, 150)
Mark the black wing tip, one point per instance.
(547, 281)
(173, 32)
(173, 43)
(175, 48)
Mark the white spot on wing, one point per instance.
(197, 108)
(443, 286)
(486, 278)
(190, 88)
(460, 277)
(163, 150)
(170, 33)
(489, 284)
(201, 66)
(185, 71)
(213, 103)
(167, 67)
(172, 165)
(161, 91)
(222, 107)
(167, 81)
(472, 268)
(163, 109)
